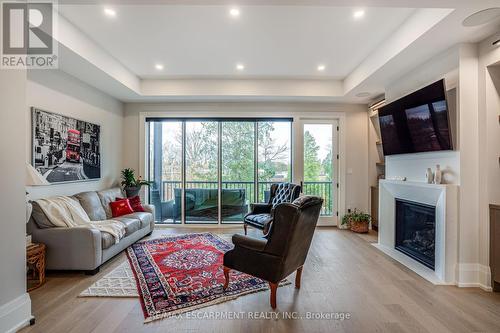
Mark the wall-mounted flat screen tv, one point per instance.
(417, 123)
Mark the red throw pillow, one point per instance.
(121, 207)
(135, 203)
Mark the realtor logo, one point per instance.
(27, 35)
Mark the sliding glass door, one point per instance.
(210, 170)
(274, 158)
(238, 169)
(201, 190)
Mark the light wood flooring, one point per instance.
(343, 273)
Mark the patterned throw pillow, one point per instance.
(121, 207)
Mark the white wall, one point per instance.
(356, 134)
(57, 92)
(489, 129)
(15, 304)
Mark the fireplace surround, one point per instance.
(443, 199)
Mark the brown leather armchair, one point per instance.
(284, 250)
(260, 216)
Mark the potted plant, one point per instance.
(357, 221)
(131, 185)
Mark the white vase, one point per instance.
(429, 175)
(438, 175)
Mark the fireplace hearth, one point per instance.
(416, 231)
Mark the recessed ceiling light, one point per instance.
(482, 17)
(159, 67)
(234, 12)
(358, 14)
(321, 68)
(109, 12)
(240, 67)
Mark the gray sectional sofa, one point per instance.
(85, 248)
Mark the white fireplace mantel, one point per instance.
(444, 198)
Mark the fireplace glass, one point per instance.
(415, 231)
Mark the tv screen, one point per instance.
(416, 123)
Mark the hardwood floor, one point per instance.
(343, 273)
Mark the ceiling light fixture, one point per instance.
(240, 67)
(110, 12)
(234, 12)
(358, 14)
(159, 67)
(321, 68)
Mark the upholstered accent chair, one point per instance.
(261, 214)
(283, 251)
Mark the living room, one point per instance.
(250, 166)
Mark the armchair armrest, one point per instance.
(249, 242)
(71, 248)
(260, 208)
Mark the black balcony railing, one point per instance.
(321, 189)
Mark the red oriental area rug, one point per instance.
(182, 273)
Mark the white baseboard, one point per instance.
(474, 275)
(15, 314)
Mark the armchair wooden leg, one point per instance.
(245, 227)
(226, 275)
(298, 275)
(273, 287)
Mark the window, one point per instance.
(210, 170)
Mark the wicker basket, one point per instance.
(360, 227)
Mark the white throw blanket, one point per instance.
(67, 212)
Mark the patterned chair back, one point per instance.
(283, 192)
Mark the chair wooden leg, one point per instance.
(298, 275)
(226, 275)
(245, 227)
(273, 287)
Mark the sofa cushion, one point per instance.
(131, 224)
(144, 217)
(39, 216)
(92, 205)
(107, 196)
(107, 240)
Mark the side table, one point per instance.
(35, 259)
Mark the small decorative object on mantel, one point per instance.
(131, 185)
(429, 175)
(358, 221)
(438, 175)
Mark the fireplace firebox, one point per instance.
(416, 231)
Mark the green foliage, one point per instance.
(129, 180)
(327, 165)
(237, 151)
(312, 164)
(356, 217)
